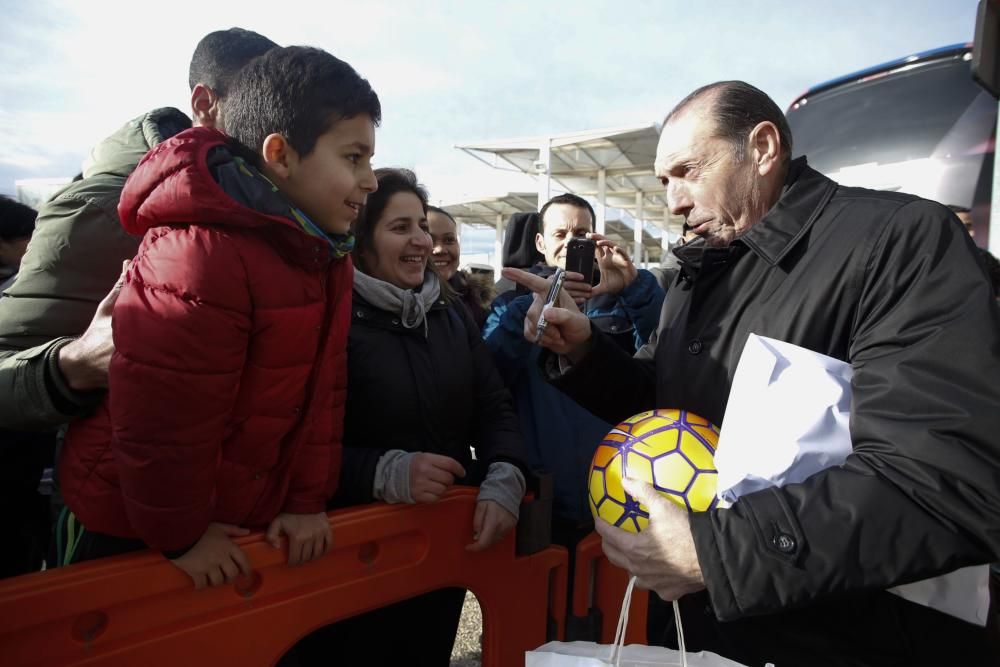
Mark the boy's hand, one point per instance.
(308, 536)
(431, 475)
(215, 559)
(490, 524)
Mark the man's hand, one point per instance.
(568, 330)
(662, 557)
(617, 270)
(431, 475)
(308, 536)
(215, 559)
(84, 361)
(578, 290)
(490, 524)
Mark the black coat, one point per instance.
(891, 284)
(440, 394)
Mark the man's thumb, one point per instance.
(557, 315)
(108, 302)
(641, 491)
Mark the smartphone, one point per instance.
(580, 257)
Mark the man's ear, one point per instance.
(205, 107)
(765, 147)
(280, 159)
(540, 243)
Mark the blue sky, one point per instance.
(446, 72)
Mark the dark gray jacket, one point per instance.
(73, 260)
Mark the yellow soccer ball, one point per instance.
(674, 450)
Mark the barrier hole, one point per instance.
(468, 648)
(89, 626)
(247, 585)
(368, 552)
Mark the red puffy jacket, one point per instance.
(228, 382)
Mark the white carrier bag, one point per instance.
(788, 418)
(589, 654)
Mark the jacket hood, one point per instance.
(118, 154)
(177, 183)
(194, 178)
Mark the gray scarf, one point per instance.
(410, 305)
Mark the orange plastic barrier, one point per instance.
(600, 586)
(141, 610)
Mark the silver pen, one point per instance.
(550, 300)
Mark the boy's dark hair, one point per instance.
(221, 54)
(436, 209)
(737, 108)
(17, 220)
(955, 208)
(570, 200)
(298, 92)
(391, 181)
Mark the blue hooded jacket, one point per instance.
(560, 436)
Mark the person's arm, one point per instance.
(583, 363)
(181, 340)
(920, 494)
(606, 380)
(357, 476)
(56, 349)
(504, 335)
(35, 393)
(642, 301)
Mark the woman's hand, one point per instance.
(431, 475)
(490, 524)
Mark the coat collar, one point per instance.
(803, 198)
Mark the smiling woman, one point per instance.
(422, 394)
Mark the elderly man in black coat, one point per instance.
(887, 282)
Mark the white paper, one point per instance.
(788, 417)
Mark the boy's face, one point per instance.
(331, 183)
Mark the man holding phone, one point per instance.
(560, 435)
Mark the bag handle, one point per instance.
(619, 643)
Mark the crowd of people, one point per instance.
(233, 322)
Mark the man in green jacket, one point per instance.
(55, 320)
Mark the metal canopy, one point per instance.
(483, 212)
(578, 162)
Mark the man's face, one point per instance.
(446, 249)
(333, 181)
(719, 197)
(561, 223)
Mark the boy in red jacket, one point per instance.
(227, 387)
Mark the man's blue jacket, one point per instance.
(559, 435)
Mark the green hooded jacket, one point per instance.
(73, 260)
